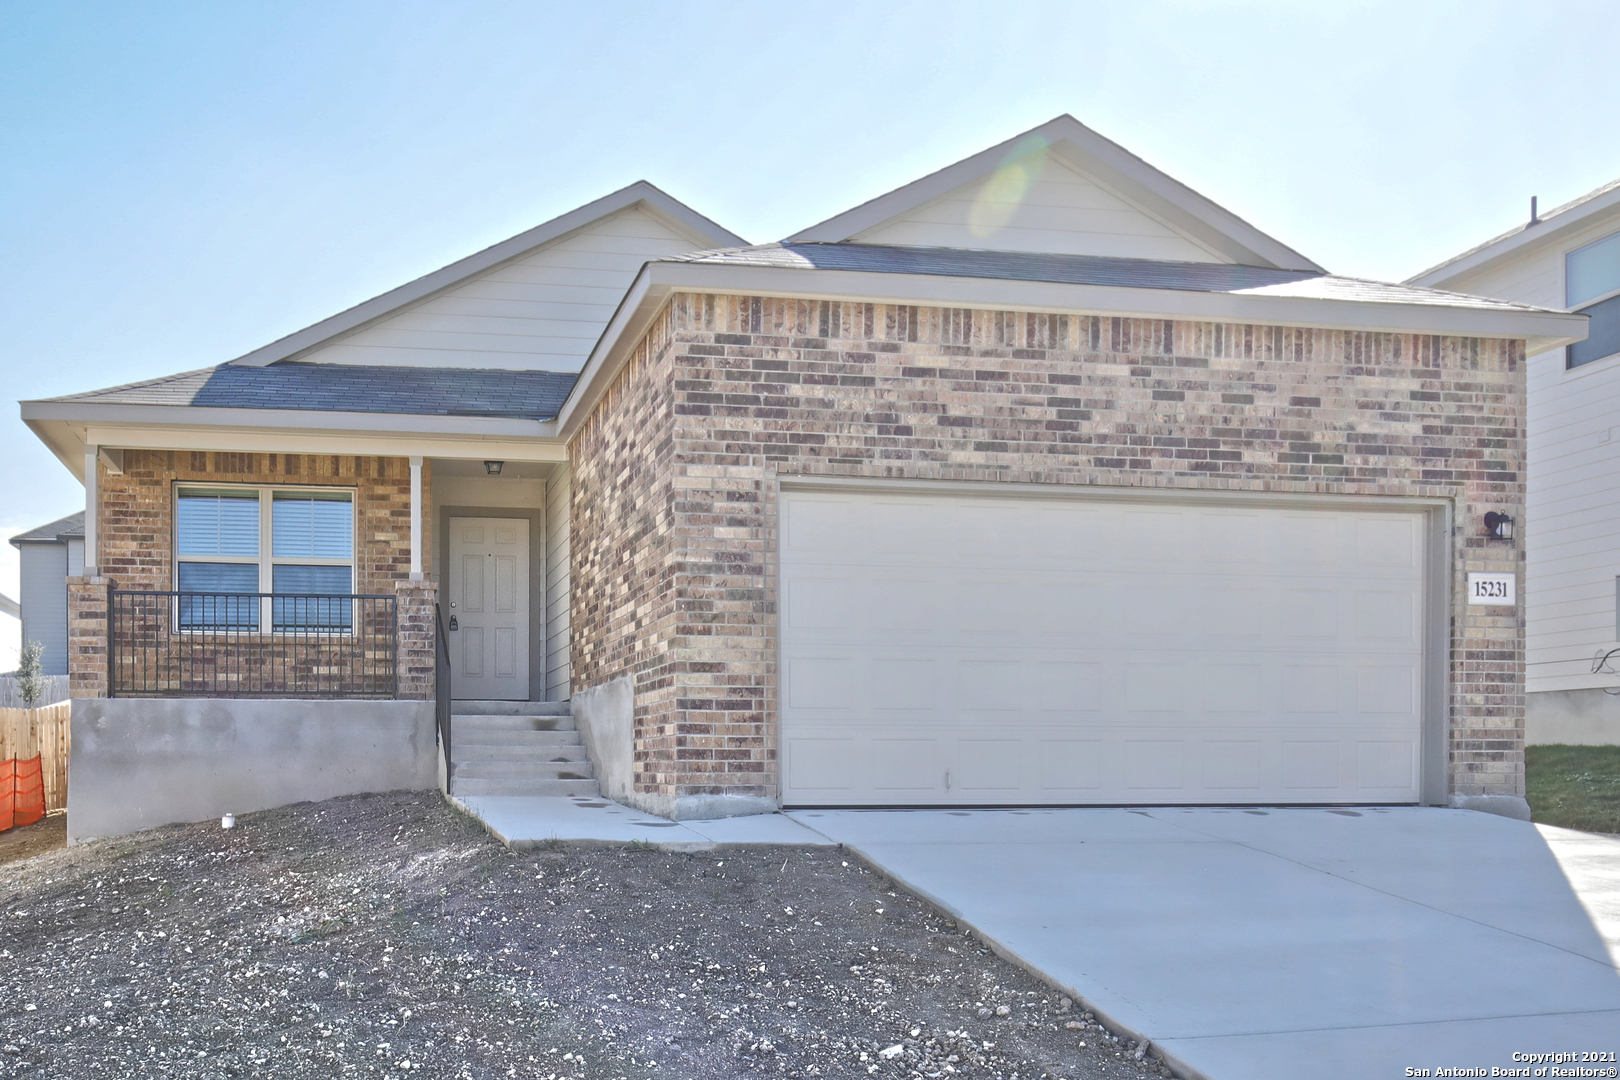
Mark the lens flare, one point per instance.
(1003, 192)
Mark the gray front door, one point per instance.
(489, 603)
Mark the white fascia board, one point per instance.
(1540, 330)
(1553, 227)
(1058, 298)
(68, 427)
(89, 412)
(703, 232)
(1105, 161)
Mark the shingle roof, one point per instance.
(1539, 227)
(1086, 270)
(524, 395)
(72, 525)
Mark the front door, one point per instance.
(489, 608)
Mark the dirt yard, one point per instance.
(25, 841)
(388, 936)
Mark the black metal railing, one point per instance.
(441, 688)
(271, 645)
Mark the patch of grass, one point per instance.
(1577, 787)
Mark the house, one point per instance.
(47, 557)
(1567, 259)
(1040, 480)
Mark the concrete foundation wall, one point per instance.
(1572, 717)
(606, 718)
(139, 763)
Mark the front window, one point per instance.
(1592, 287)
(234, 543)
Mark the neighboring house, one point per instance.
(1040, 480)
(1568, 258)
(47, 557)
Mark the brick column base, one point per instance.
(415, 662)
(87, 636)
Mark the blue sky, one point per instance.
(182, 182)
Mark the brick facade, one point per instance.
(415, 663)
(136, 551)
(674, 503)
(87, 636)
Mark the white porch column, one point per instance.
(91, 551)
(416, 518)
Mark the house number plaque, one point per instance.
(1491, 589)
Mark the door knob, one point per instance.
(453, 625)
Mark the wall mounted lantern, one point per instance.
(494, 468)
(1499, 526)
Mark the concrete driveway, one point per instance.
(1286, 943)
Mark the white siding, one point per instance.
(1044, 206)
(1572, 526)
(42, 577)
(542, 312)
(1572, 534)
(558, 493)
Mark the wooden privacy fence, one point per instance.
(43, 733)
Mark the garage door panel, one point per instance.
(1033, 655)
(1065, 686)
(988, 765)
(1155, 768)
(1069, 765)
(1230, 540)
(1142, 535)
(904, 765)
(1310, 540)
(1061, 534)
(1389, 541)
(1386, 615)
(1232, 765)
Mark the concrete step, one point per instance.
(510, 708)
(489, 736)
(462, 788)
(483, 722)
(525, 770)
(509, 751)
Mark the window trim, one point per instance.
(266, 561)
(1569, 350)
(1599, 298)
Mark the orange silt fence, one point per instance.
(8, 793)
(28, 804)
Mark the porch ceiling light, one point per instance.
(493, 467)
(1499, 526)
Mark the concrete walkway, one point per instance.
(529, 821)
(1261, 944)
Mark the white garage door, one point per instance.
(956, 650)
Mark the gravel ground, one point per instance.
(388, 936)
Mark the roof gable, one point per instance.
(1060, 188)
(1037, 203)
(536, 301)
